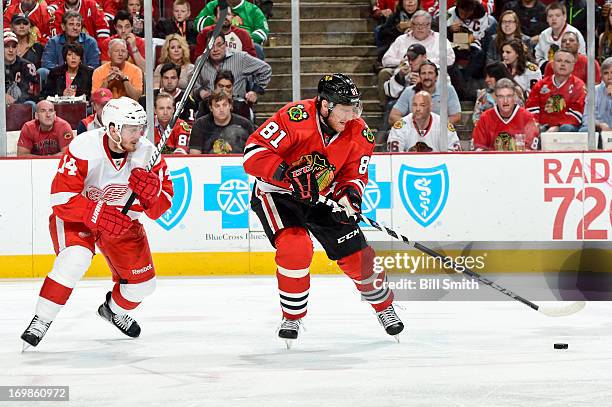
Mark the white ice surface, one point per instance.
(212, 342)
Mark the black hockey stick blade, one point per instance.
(550, 311)
(181, 104)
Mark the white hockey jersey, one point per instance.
(406, 136)
(530, 77)
(87, 172)
(476, 26)
(548, 44)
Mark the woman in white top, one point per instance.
(524, 73)
(176, 51)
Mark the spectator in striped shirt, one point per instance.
(240, 64)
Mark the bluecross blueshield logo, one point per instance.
(231, 197)
(181, 182)
(424, 192)
(377, 195)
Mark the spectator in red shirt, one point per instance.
(45, 135)
(570, 42)
(37, 14)
(123, 24)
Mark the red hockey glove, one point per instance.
(304, 183)
(350, 200)
(106, 219)
(146, 185)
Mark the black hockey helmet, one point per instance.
(339, 89)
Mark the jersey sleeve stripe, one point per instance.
(61, 198)
(575, 114)
(251, 151)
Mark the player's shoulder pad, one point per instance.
(299, 111)
(88, 145)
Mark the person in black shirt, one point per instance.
(532, 15)
(72, 78)
(20, 78)
(28, 46)
(179, 23)
(221, 131)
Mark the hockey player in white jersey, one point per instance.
(420, 130)
(93, 182)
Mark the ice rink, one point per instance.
(212, 342)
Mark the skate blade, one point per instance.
(289, 343)
(396, 337)
(25, 346)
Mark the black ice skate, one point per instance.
(390, 321)
(123, 322)
(34, 332)
(289, 330)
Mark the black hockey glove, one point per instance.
(350, 200)
(304, 183)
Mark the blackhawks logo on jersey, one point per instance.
(297, 113)
(504, 142)
(555, 104)
(322, 168)
(367, 133)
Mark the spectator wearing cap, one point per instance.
(72, 78)
(99, 98)
(20, 78)
(407, 73)
(28, 45)
(72, 24)
(118, 75)
(47, 134)
(37, 14)
(429, 82)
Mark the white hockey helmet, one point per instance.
(121, 111)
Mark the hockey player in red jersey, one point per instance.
(93, 182)
(312, 147)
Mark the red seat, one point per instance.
(73, 113)
(17, 115)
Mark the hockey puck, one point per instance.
(561, 346)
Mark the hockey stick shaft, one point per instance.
(181, 104)
(568, 310)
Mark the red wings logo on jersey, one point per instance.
(323, 169)
(110, 193)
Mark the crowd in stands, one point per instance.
(515, 60)
(90, 51)
(522, 63)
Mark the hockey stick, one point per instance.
(546, 310)
(181, 104)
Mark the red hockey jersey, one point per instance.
(178, 142)
(293, 135)
(492, 132)
(555, 105)
(39, 17)
(94, 22)
(87, 172)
